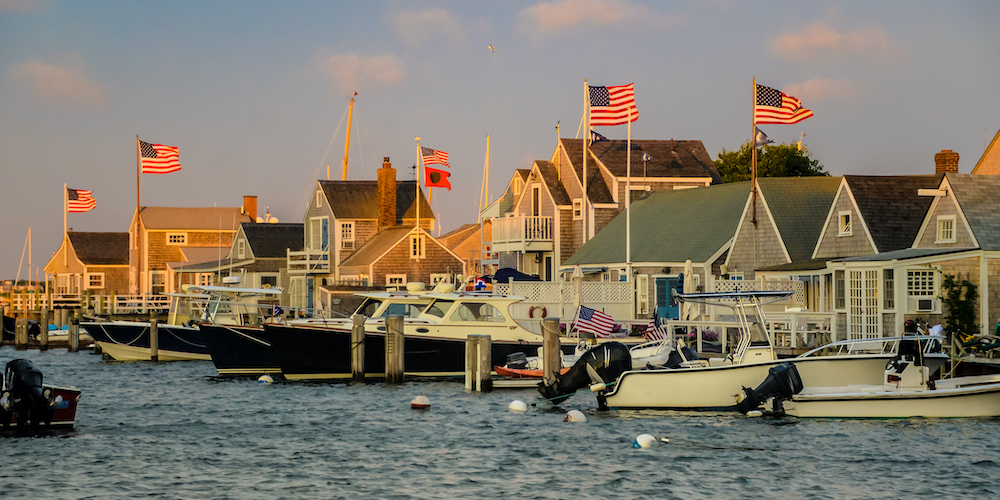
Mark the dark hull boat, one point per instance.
(240, 351)
(28, 404)
(129, 341)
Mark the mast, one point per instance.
(347, 141)
(483, 201)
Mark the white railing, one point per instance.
(530, 233)
(308, 261)
(558, 298)
(140, 304)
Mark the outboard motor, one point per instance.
(607, 361)
(517, 361)
(677, 358)
(782, 382)
(24, 395)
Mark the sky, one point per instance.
(255, 93)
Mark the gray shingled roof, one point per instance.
(550, 175)
(891, 208)
(359, 199)
(271, 240)
(799, 206)
(908, 253)
(95, 249)
(671, 226)
(978, 197)
(193, 218)
(671, 158)
(377, 245)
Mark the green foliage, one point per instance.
(781, 160)
(961, 299)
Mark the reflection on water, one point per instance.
(175, 430)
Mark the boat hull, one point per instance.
(64, 412)
(977, 401)
(122, 352)
(716, 387)
(129, 341)
(240, 351)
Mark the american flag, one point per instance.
(654, 331)
(432, 156)
(596, 322)
(611, 105)
(80, 200)
(773, 106)
(158, 159)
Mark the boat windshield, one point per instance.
(404, 310)
(477, 311)
(438, 307)
(368, 307)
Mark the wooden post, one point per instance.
(478, 363)
(394, 349)
(74, 331)
(470, 362)
(154, 337)
(43, 323)
(551, 347)
(358, 347)
(21, 333)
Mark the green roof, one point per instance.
(799, 206)
(671, 226)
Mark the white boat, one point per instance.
(907, 390)
(716, 383)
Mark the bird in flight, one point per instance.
(492, 49)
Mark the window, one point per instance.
(95, 280)
(477, 311)
(844, 219)
(318, 233)
(395, 279)
(920, 283)
(205, 279)
(890, 289)
(241, 249)
(642, 293)
(268, 281)
(578, 209)
(297, 294)
(177, 238)
(945, 229)
(536, 200)
(439, 278)
(347, 235)
(417, 246)
(839, 290)
(319, 198)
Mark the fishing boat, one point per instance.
(27, 403)
(661, 352)
(906, 390)
(715, 384)
(434, 340)
(180, 337)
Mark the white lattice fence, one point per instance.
(614, 298)
(797, 299)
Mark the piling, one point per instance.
(74, 331)
(478, 363)
(154, 337)
(394, 349)
(43, 323)
(21, 333)
(551, 348)
(358, 347)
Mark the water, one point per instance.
(176, 430)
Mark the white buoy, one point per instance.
(420, 402)
(755, 413)
(265, 379)
(518, 405)
(575, 416)
(645, 441)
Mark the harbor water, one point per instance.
(177, 430)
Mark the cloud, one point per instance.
(548, 18)
(819, 89)
(820, 41)
(351, 72)
(415, 27)
(57, 84)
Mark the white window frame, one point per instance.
(347, 235)
(945, 229)
(89, 277)
(418, 246)
(260, 280)
(921, 283)
(578, 209)
(319, 198)
(844, 223)
(297, 293)
(395, 280)
(440, 278)
(642, 293)
(241, 249)
(205, 279)
(315, 242)
(177, 239)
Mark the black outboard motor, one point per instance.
(607, 360)
(517, 361)
(24, 395)
(782, 382)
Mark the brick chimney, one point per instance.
(386, 195)
(946, 161)
(250, 207)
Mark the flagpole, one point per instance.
(134, 276)
(586, 139)
(483, 201)
(628, 201)
(417, 198)
(65, 225)
(753, 154)
(347, 141)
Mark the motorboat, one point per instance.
(28, 403)
(715, 383)
(906, 390)
(180, 338)
(434, 339)
(662, 352)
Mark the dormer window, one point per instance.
(319, 198)
(241, 249)
(578, 209)
(844, 223)
(945, 229)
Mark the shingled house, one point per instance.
(91, 262)
(554, 215)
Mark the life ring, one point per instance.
(531, 312)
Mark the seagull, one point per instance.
(492, 49)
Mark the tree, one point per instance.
(781, 160)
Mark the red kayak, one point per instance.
(521, 373)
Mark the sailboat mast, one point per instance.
(347, 140)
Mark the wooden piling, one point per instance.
(43, 323)
(21, 333)
(74, 331)
(394, 348)
(551, 348)
(358, 347)
(154, 336)
(478, 363)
